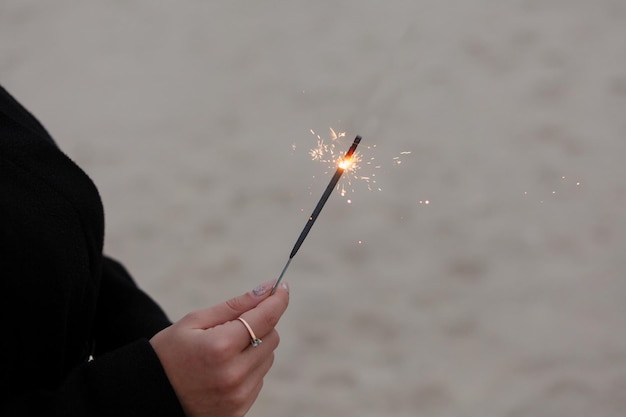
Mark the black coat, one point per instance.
(62, 300)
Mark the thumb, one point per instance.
(228, 310)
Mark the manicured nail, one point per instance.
(285, 286)
(262, 289)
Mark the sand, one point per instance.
(503, 296)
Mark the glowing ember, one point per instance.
(565, 186)
(317, 153)
(346, 163)
(327, 151)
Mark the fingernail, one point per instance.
(262, 289)
(285, 286)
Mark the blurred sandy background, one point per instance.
(504, 296)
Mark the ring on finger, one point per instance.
(254, 341)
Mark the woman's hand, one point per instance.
(208, 357)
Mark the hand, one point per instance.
(209, 360)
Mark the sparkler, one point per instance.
(343, 164)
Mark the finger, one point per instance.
(262, 319)
(252, 356)
(228, 310)
(258, 373)
(254, 363)
(252, 378)
(254, 382)
(254, 393)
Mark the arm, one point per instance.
(127, 382)
(124, 312)
(48, 303)
(58, 291)
(50, 268)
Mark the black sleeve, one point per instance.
(129, 381)
(124, 312)
(59, 292)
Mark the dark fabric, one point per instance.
(62, 299)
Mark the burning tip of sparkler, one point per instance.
(345, 163)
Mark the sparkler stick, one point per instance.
(343, 164)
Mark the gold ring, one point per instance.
(254, 341)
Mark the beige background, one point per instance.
(485, 302)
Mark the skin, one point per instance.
(208, 357)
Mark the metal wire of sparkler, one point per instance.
(344, 163)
